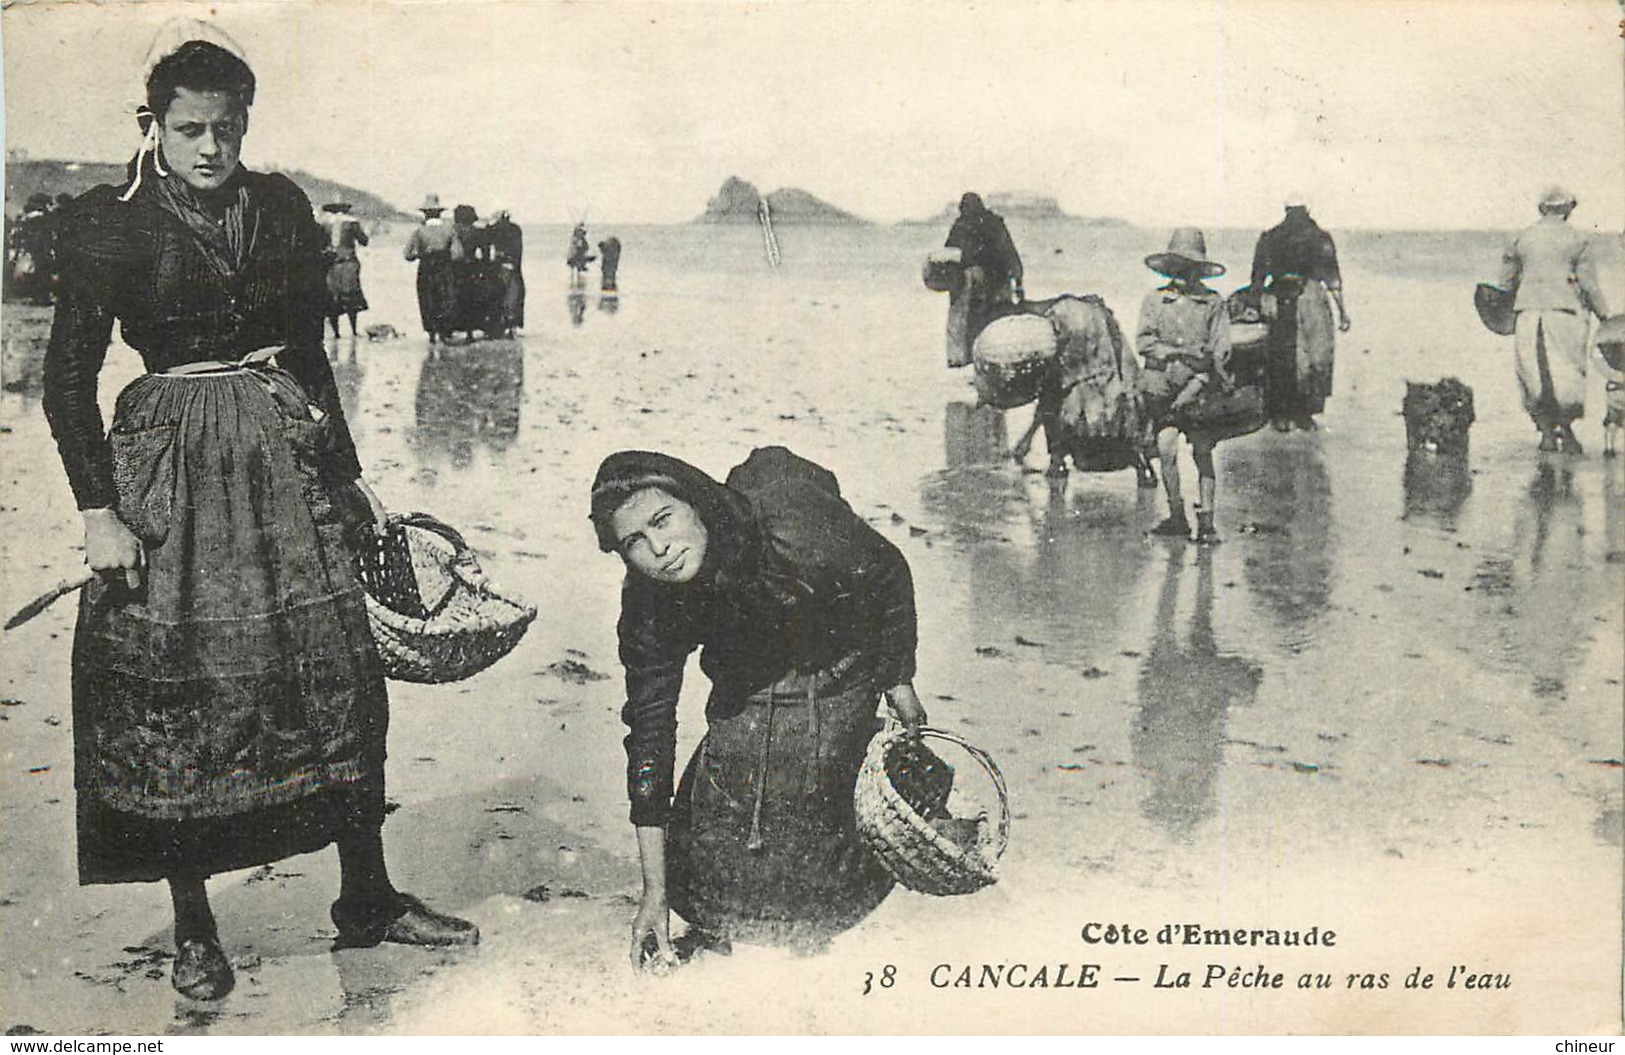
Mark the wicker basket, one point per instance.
(942, 271)
(434, 615)
(1013, 355)
(1611, 341)
(916, 854)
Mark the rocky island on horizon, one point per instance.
(1016, 206)
(738, 201)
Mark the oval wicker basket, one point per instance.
(916, 854)
(434, 615)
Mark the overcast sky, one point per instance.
(1428, 113)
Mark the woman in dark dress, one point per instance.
(344, 294)
(1295, 272)
(229, 706)
(805, 615)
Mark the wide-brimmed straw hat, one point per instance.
(1556, 197)
(431, 203)
(1186, 252)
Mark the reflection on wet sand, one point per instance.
(347, 375)
(973, 435)
(1070, 590)
(609, 303)
(576, 301)
(1436, 487)
(1550, 554)
(468, 393)
(1283, 506)
(1186, 691)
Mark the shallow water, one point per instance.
(1389, 701)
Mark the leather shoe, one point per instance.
(413, 923)
(201, 970)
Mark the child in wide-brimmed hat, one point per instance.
(1184, 340)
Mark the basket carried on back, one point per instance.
(915, 853)
(1012, 356)
(435, 617)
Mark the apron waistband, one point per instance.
(203, 368)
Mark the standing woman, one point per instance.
(505, 242)
(229, 707)
(805, 614)
(1549, 267)
(436, 248)
(1294, 271)
(344, 296)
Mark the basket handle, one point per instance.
(465, 564)
(983, 759)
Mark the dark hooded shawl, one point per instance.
(793, 580)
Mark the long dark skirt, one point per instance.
(437, 293)
(232, 711)
(513, 298)
(344, 293)
(798, 872)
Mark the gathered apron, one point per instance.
(763, 844)
(1302, 340)
(231, 711)
(1550, 346)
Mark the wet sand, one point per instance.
(1389, 704)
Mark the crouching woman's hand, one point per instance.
(653, 920)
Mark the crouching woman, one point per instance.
(805, 615)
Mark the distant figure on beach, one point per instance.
(1294, 268)
(30, 252)
(229, 704)
(991, 270)
(579, 256)
(1184, 343)
(609, 251)
(505, 248)
(479, 298)
(344, 233)
(1549, 267)
(805, 617)
(436, 248)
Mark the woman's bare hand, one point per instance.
(653, 921)
(905, 704)
(380, 514)
(111, 547)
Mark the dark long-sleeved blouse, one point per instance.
(802, 582)
(1297, 247)
(181, 296)
(984, 241)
